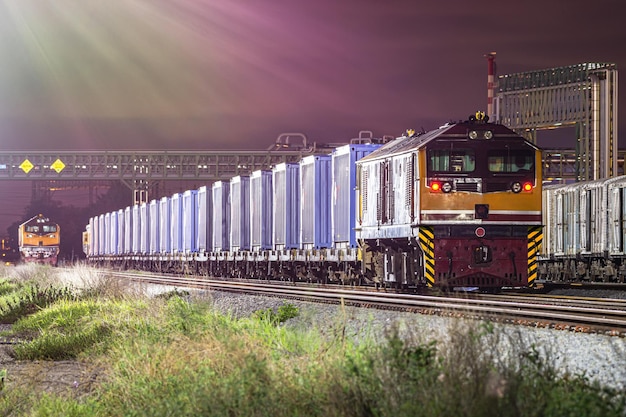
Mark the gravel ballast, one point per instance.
(601, 358)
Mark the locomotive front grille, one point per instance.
(467, 186)
(497, 186)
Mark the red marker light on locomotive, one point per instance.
(527, 186)
(435, 186)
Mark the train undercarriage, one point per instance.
(430, 260)
(583, 269)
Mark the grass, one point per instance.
(175, 355)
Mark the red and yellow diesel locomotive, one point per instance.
(39, 240)
(456, 206)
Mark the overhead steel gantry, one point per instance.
(583, 95)
(139, 169)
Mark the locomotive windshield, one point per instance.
(510, 161)
(46, 228)
(452, 160)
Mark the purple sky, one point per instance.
(234, 74)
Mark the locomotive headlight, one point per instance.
(516, 187)
(473, 134)
(488, 134)
(446, 187)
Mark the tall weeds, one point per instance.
(174, 355)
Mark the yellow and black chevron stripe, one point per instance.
(426, 238)
(535, 240)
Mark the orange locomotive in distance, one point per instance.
(38, 240)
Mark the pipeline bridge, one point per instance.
(148, 173)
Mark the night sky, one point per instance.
(234, 74)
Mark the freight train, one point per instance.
(454, 207)
(585, 231)
(38, 240)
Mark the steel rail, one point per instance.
(574, 317)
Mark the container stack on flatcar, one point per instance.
(457, 206)
(38, 240)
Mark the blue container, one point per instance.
(286, 206)
(93, 236)
(128, 230)
(113, 237)
(344, 207)
(102, 235)
(121, 223)
(221, 216)
(153, 209)
(190, 221)
(165, 225)
(205, 220)
(144, 218)
(176, 222)
(136, 229)
(315, 187)
(107, 234)
(96, 234)
(261, 214)
(240, 213)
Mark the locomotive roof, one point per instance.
(451, 131)
(39, 218)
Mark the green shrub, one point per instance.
(30, 299)
(284, 313)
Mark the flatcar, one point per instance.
(457, 206)
(38, 240)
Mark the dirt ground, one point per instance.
(68, 377)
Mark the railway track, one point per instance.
(589, 315)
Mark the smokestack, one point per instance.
(491, 75)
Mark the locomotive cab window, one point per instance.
(32, 229)
(510, 161)
(452, 160)
(49, 228)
